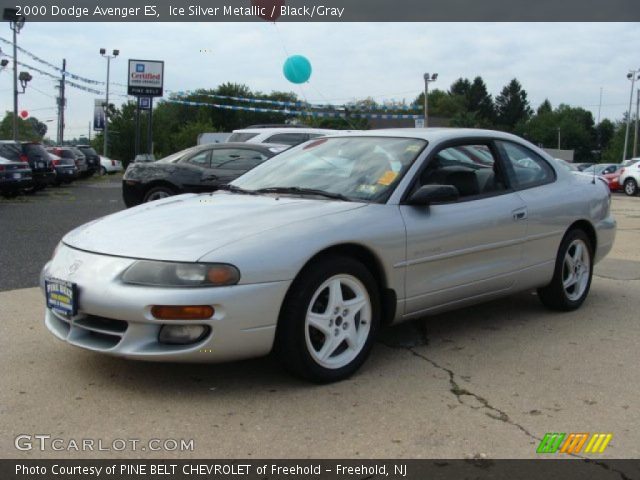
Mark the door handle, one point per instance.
(520, 214)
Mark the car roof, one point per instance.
(431, 134)
(285, 130)
(245, 145)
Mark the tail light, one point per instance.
(1, 168)
(55, 162)
(23, 158)
(113, 163)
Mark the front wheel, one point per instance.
(329, 320)
(630, 187)
(157, 193)
(572, 276)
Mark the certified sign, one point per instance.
(145, 78)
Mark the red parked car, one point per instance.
(613, 179)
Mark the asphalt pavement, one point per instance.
(32, 225)
(484, 381)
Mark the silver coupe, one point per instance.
(308, 254)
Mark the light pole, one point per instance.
(16, 22)
(635, 132)
(558, 138)
(427, 79)
(632, 75)
(114, 54)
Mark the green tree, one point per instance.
(31, 129)
(512, 106)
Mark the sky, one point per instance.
(564, 62)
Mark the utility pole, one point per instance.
(115, 53)
(599, 107)
(427, 78)
(61, 104)
(16, 22)
(635, 133)
(631, 76)
(89, 132)
(558, 138)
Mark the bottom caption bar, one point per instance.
(320, 469)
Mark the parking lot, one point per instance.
(491, 379)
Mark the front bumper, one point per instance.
(132, 192)
(115, 318)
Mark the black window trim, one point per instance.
(511, 173)
(458, 142)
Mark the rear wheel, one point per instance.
(158, 193)
(103, 171)
(630, 187)
(329, 320)
(573, 272)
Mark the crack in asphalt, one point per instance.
(497, 414)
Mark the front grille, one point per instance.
(91, 331)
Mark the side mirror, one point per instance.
(428, 194)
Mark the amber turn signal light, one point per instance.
(182, 312)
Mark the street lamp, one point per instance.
(16, 22)
(427, 79)
(114, 54)
(633, 75)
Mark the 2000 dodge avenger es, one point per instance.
(310, 252)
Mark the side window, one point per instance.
(527, 168)
(200, 159)
(471, 168)
(288, 138)
(236, 159)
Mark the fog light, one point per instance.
(182, 334)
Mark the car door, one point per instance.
(195, 171)
(468, 248)
(534, 180)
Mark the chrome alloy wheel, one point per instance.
(576, 270)
(338, 321)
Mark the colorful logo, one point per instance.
(574, 442)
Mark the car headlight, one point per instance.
(166, 274)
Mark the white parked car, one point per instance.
(280, 135)
(630, 176)
(108, 165)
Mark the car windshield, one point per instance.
(358, 168)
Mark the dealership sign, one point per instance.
(145, 78)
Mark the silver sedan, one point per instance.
(310, 253)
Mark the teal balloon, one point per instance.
(297, 69)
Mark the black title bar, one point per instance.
(327, 10)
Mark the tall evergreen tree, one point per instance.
(512, 106)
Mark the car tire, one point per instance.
(630, 187)
(158, 193)
(329, 320)
(572, 275)
(103, 171)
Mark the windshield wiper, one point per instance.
(304, 191)
(234, 189)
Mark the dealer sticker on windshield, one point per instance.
(62, 296)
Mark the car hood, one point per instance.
(186, 227)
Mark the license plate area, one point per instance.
(62, 296)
